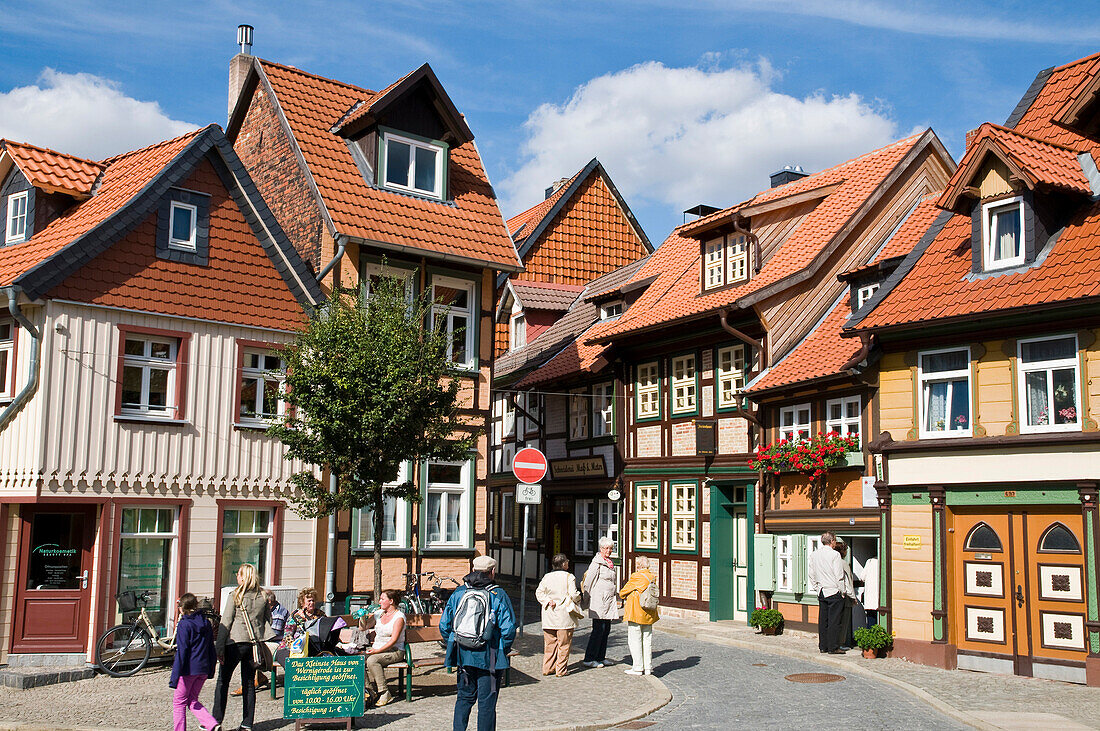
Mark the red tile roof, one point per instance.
(1064, 82)
(578, 357)
(469, 227)
(53, 171)
(675, 295)
(820, 355)
(123, 178)
(524, 223)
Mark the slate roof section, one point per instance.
(1029, 97)
(820, 355)
(468, 228)
(545, 295)
(675, 294)
(53, 171)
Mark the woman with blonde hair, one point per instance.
(245, 618)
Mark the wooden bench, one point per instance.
(417, 635)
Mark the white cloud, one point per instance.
(681, 136)
(83, 115)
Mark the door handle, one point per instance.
(1019, 596)
(84, 580)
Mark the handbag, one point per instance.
(261, 659)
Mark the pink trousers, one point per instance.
(187, 696)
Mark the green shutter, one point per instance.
(764, 561)
(798, 564)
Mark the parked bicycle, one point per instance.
(414, 602)
(126, 648)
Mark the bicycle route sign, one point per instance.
(324, 687)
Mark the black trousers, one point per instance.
(236, 653)
(596, 650)
(829, 611)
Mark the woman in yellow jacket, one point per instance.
(639, 621)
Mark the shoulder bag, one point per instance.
(261, 660)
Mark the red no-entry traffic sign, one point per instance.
(529, 465)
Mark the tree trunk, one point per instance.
(379, 509)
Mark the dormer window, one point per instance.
(182, 227)
(609, 310)
(725, 261)
(413, 165)
(518, 332)
(864, 293)
(16, 229)
(1003, 233)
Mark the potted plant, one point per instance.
(873, 640)
(768, 620)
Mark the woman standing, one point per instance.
(599, 581)
(558, 595)
(389, 643)
(245, 618)
(192, 665)
(639, 620)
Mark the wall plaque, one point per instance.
(911, 543)
(706, 437)
(565, 469)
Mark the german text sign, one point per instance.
(324, 687)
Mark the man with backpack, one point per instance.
(640, 593)
(479, 626)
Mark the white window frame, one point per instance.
(784, 563)
(844, 424)
(364, 517)
(611, 310)
(1049, 366)
(731, 378)
(989, 233)
(517, 331)
(603, 409)
(578, 414)
(190, 243)
(265, 571)
(789, 431)
(440, 310)
(647, 390)
(458, 496)
(684, 386)
(440, 155)
(508, 416)
(147, 364)
(737, 258)
(684, 516)
(593, 522)
(7, 347)
(923, 393)
(648, 512)
(167, 603)
(507, 517)
(375, 269)
(608, 517)
(10, 236)
(865, 293)
(714, 265)
(531, 401)
(264, 377)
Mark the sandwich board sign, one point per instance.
(324, 687)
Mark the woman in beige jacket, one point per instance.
(558, 595)
(245, 615)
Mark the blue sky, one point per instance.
(684, 101)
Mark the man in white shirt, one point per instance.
(825, 576)
(870, 590)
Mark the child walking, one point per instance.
(193, 664)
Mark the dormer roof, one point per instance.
(537, 296)
(48, 170)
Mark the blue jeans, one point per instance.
(477, 685)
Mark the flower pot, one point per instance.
(870, 653)
(769, 630)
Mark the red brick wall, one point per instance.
(266, 151)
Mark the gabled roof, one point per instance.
(538, 296)
(466, 229)
(54, 172)
(129, 190)
(1034, 161)
(852, 189)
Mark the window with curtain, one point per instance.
(1003, 226)
(395, 517)
(731, 374)
(447, 504)
(794, 422)
(683, 516)
(603, 398)
(647, 516)
(945, 392)
(578, 414)
(843, 416)
(647, 390)
(683, 384)
(1048, 380)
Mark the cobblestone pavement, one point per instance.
(984, 700)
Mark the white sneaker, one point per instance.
(632, 671)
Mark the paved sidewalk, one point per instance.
(531, 702)
(982, 700)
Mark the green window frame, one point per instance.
(647, 508)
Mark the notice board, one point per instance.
(324, 687)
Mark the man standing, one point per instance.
(847, 628)
(826, 577)
(479, 626)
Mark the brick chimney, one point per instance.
(239, 64)
(970, 137)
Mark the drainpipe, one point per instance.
(723, 319)
(756, 263)
(28, 390)
(330, 559)
(341, 245)
(868, 341)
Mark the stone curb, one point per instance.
(664, 698)
(941, 706)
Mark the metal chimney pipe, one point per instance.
(244, 38)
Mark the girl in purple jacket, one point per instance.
(193, 664)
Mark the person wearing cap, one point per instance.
(479, 671)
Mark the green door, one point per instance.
(731, 590)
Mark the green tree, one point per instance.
(369, 386)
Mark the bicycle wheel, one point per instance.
(123, 650)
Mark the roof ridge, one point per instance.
(17, 143)
(1090, 57)
(1033, 138)
(108, 161)
(296, 70)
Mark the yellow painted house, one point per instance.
(988, 397)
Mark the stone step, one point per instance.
(23, 678)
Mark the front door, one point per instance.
(741, 596)
(52, 595)
(1019, 602)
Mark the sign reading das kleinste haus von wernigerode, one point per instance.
(582, 467)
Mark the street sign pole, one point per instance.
(523, 569)
(529, 466)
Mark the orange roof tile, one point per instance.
(521, 224)
(468, 227)
(676, 292)
(52, 170)
(820, 355)
(1064, 82)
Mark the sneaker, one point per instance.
(215, 727)
(592, 664)
(605, 662)
(384, 699)
(632, 671)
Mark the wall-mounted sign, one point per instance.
(706, 437)
(565, 469)
(613, 495)
(911, 543)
